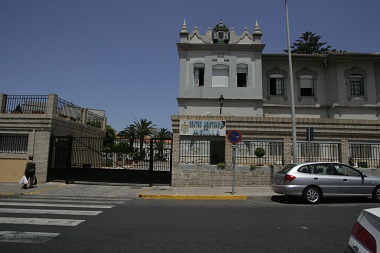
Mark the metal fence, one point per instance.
(14, 143)
(273, 152)
(366, 155)
(69, 110)
(36, 104)
(319, 151)
(202, 151)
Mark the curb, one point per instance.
(143, 195)
(192, 197)
(7, 193)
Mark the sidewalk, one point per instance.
(98, 190)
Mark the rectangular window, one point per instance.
(241, 78)
(276, 85)
(199, 74)
(306, 86)
(356, 85)
(14, 143)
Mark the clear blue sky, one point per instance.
(121, 56)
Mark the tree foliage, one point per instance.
(143, 128)
(109, 139)
(309, 43)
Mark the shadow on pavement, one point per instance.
(283, 199)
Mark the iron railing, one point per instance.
(366, 155)
(69, 110)
(318, 151)
(14, 143)
(201, 151)
(245, 152)
(29, 104)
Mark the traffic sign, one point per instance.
(234, 136)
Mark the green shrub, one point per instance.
(221, 165)
(259, 152)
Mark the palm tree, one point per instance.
(129, 133)
(143, 128)
(162, 134)
(308, 43)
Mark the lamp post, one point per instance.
(221, 99)
(294, 131)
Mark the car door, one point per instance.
(324, 176)
(353, 182)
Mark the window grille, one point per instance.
(14, 143)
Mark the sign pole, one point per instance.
(234, 137)
(233, 167)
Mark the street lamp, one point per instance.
(221, 99)
(294, 131)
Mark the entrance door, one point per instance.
(217, 152)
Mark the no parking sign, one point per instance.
(234, 136)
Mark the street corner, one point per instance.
(41, 189)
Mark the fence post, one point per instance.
(52, 105)
(287, 151)
(151, 154)
(68, 161)
(343, 152)
(3, 102)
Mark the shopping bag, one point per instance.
(35, 180)
(23, 180)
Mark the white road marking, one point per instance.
(26, 237)
(2, 203)
(65, 201)
(40, 221)
(49, 211)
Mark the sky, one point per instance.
(121, 55)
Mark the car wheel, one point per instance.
(312, 195)
(376, 194)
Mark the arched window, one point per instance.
(306, 85)
(307, 80)
(276, 83)
(356, 83)
(220, 75)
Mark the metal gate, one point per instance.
(86, 159)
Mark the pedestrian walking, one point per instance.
(30, 172)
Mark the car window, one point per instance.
(346, 170)
(324, 169)
(286, 168)
(304, 169)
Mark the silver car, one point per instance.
(365, 234)
(314, 180)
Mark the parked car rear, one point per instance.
(315, 180)
(365, 234)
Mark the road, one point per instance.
(80, 224)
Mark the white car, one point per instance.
(365, 235)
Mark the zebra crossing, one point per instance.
(26, 213)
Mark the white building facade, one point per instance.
(227, 81)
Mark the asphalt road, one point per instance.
(136, 225)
